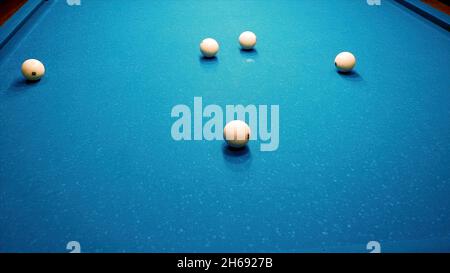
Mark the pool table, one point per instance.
(88, 158)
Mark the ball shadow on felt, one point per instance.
(237, 159)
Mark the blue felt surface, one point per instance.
(86, 153)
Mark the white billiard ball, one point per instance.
(345, 62)
(236, 133)
(209, 47)
(247, 40)
(33, 70)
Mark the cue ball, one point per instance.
(236, 133)
(209, 47)
(345, 62)
(33, 70)
(247, 40)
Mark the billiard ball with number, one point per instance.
(236, 133)
(345, 62)
(33, 70)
